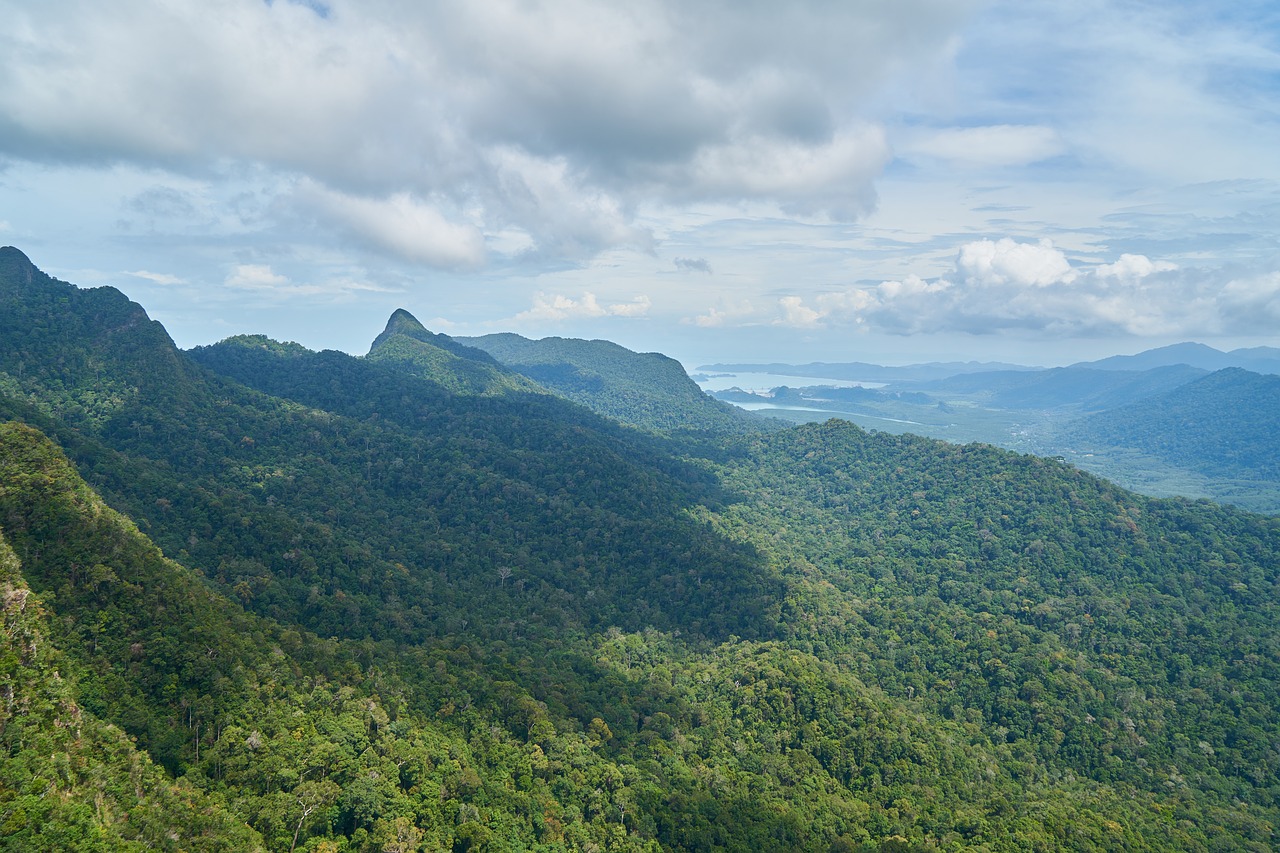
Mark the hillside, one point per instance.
(388, 611)
(68, 780)
(861, 752)
(647, 390)
(1221, 428)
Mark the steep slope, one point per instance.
(408, 345)
(526, 492)
(313, 510)
(648, 390)
(69, 781)
(265, 725)
(93, 365)
(445, 757)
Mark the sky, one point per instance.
(1035, 181)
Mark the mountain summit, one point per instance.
(16, 268)
(408, 345)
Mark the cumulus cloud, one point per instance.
(833, 177)
(558, 307)
(255, 277)
(731, 313)
(417, 121)
(561, 215)
(1133, 267)
(796, 313)
(1006, 262)
(1251, 302)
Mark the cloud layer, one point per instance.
(417, 127)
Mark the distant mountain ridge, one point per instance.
(1225, 449)
(1260, 359)
(1256, 359)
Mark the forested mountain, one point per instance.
(390, 612)
(69, 781)
(647, 390)
(1223, 426)
(407, 344)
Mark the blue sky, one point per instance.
(1031, 181)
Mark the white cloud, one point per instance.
(990, 146)
(1252, 303)
(638, 307)
(157, 277)
(262, 280)
(731, 313)
(562, 215)
(255, 277)
(1133, 267)
(557, 119)
(833, 177)
(995, 263)
(554, 308)
(795, 313)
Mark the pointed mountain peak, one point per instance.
(12, 254)
(403, 323)
(14, 265)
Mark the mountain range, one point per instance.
(260, 597)
(1255, 359)
(1199, 356)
